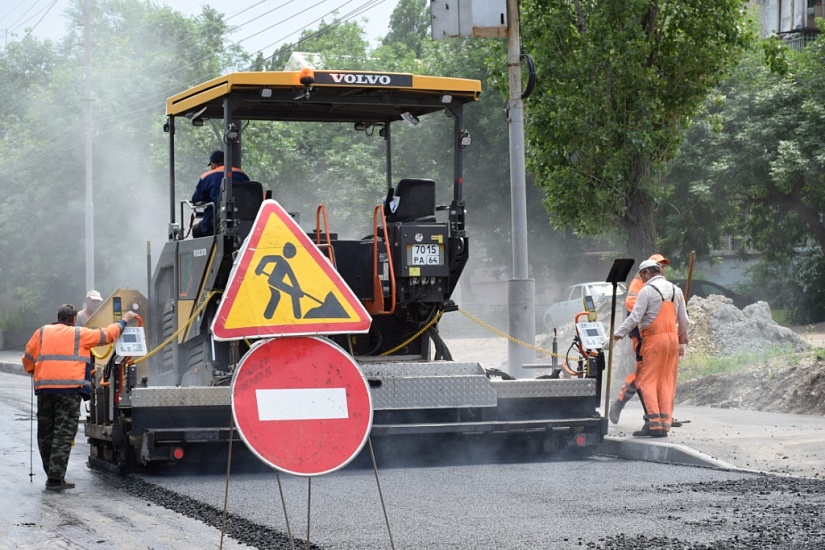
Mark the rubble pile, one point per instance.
(720, 329)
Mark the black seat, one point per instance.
(416, 201)
(248, 196)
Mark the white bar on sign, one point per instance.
(302, 404)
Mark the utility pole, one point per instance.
(485, 19)
(87, 92)
(521, 289)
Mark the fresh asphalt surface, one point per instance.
(717, 438)
(600, 503)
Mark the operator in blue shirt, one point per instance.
(209, 190)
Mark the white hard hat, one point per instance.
(648, 264)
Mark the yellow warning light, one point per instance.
(307, 76)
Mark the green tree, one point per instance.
(753, 167)
(142, 54)
(409, 25)
(343, 45)
(30, 135)
(618, 83)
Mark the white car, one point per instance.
(563, 313)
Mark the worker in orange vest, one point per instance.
(628, 389)
(59, 357)
(660, 314)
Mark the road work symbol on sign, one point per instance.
(301, 404)
(282, 280)
(282, 284)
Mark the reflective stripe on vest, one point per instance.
(71, 360)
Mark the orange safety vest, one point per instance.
(58, 354)
(633, 290)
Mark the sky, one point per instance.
(262, 25)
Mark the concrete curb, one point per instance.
(12, 368)
(657, 451)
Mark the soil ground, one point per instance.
(793, 382)
(788, 383)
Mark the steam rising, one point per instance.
(44, 207)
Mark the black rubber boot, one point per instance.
(58, 484)
(615, 411)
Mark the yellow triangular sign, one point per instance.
(282, 284)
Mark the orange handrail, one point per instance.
(377, 305)
(319, 212)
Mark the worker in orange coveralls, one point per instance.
(660, 314)
(628, 389)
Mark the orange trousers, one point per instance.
(628, 389)
(656, 374)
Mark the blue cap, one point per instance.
(216, 157)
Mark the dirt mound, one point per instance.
(790, 379)
(718, 328)
(791, 384)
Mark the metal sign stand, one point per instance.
(618, 273)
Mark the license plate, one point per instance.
(425, 254)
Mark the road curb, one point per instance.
(656, 451)
(12, 368)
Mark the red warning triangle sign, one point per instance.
(282, 284)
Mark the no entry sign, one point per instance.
(301, 405)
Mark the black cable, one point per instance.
(378, 344)
(107, 370)
(573, 346)
(497, 372)
(531, 80)
(442, 352)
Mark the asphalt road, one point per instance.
(600, 503)
(593, 503)
(97, 514)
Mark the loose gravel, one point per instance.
(240, 529)
(787, 515)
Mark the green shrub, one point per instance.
(699, 366)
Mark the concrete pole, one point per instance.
(87, 93)
(521, 289)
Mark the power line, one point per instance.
(157, 100)
(45, 11)
(17, 5)
(358, 11)
(39, 20)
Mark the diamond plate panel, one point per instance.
(424, 392)
(514, 389)
(181, 397)
(418, 368)
(428, 385)
(422, 385)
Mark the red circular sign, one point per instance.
(301, 405)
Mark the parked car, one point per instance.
(703, 289)
(564, 311)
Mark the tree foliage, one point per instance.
(753, 167)
(409, 25)
(142, 54)
(618, 83)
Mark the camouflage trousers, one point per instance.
(57, 420)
